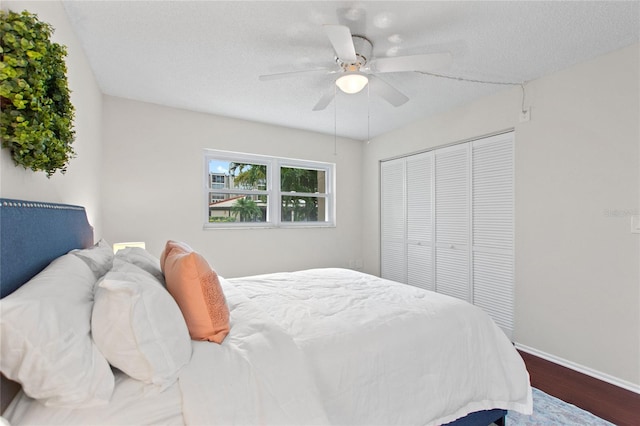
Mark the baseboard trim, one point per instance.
(580, 368)
(616, 404)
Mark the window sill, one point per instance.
(207, 227)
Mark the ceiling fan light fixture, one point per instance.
(352, 83)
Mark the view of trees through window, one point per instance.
(299, 203)
(240, 192)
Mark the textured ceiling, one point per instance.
(207, 55)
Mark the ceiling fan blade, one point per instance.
(426, 62)
(324, 100)
(278, 76)
(340, 38)
(387, 91)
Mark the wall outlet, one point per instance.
(635, 224)
(525, 115)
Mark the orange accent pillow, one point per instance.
(171, 245)
(196, 288)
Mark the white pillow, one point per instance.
(143, 260)
(45, 339)
(99, 257)
(138, 326)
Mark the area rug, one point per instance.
(551, 411)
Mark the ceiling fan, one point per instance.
(355, 67)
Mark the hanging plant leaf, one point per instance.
(36, 116)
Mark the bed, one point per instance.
(320, 346)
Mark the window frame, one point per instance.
(273, 190)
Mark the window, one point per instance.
(217, 180)
(245, 190)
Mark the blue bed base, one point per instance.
(482, 418)
(32, 234)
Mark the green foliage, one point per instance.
(36, 118)
(216, 219)
(292, 179)
(298, 180)
(249, 176)
(299, 209)
(247, 209)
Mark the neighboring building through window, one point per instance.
(251, 190)
(218, 180)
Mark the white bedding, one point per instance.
(132, 403)
(388, 353)
(325, 346)
(257, 376)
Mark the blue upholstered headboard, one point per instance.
(33, 233)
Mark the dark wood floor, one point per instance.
(612, 403)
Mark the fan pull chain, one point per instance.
(368, 114)
(335, 120)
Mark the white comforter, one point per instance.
(340, 347)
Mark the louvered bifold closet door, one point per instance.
(452, 221)
(493, 228)
(420, 270)
(393, 257)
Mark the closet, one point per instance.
(447, 223)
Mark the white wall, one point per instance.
(577, 183)
(81, 184)
(153, 188)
